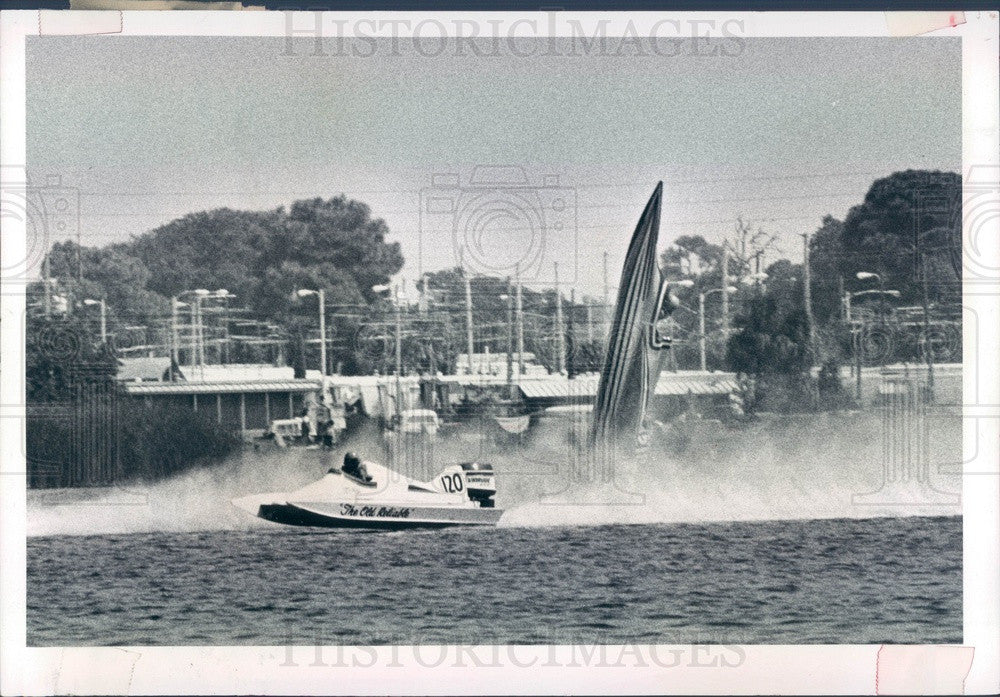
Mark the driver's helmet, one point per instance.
(351, 461)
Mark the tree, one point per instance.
(340, 232)
(904, 218)
(692, 255)
(747, 248)
(769, 350)
(60, 353)
(333, 243)
(825, 259)
(214, 249)
(109, 273)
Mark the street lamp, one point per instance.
(381, 288)
(197, 330)
(104, 317)
(867, 275)
(510, 342)
(175, 305)
(849, 296)
(321, 295)
(701, 320)
(661, 322)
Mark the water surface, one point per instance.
(811, 581)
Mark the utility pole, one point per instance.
(174, 339)
(46, 281)
(510, 342)
(468, 320)
(857, 361)
(520, 320)
(701, 328)
(104, 316)
(423, 296)
(399, 331)
(104, 320)
(571, 335)
(322, 330)
(194, 331)
(807, 298)
(607, 300)
(590, 322)
(560, 338)
(399, 353)
(725, 296)
(840, 294)
(201, 333)
(928, 347)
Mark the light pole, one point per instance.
(197, 328)
(321, 295)
(469, 344)
(701, 319)
(928, 347)
(175, 305)
(866, 275)
(399, 340)
(848, 297)
(661, 325)
(519, 304)
(510, 341)
(560, 332)
(104, 317)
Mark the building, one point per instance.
(248, 406)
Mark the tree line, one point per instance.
(908, 223)
(906, 233)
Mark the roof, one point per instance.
(246, 386)
(143, 368)
(679, 383)
(557, 386)
(570, 409)
(237, 372)
(696, 382)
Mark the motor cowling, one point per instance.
(474, 479)
(480, 482)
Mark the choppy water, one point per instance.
(806, 581)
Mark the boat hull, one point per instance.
(376, 517)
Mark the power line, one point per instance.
(610, 185)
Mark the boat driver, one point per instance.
(354, 467)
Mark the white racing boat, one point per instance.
(369, 495)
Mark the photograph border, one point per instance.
(847, 669)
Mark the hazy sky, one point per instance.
(148, 129)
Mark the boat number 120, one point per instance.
(452, 483)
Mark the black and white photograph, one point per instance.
(667, 339)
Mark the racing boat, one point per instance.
(380, 498)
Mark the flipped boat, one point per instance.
(380, 498)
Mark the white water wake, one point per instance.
(808, 468)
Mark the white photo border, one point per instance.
(750, 669)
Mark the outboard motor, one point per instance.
(474, 479)
(479, 482)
